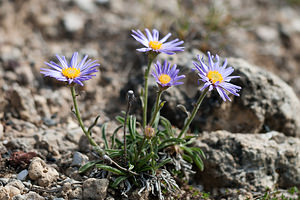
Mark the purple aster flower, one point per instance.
(215, 76)
(166, 76)
(73, 71)
(152, 42)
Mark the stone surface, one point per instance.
(17, 184)
(29, 196)
(249, 161)
(79, 159)
(8, 192)
(95, 189)
(42, 173)
(76, 193)
(22, 175)
(21, 101)
(73, 22)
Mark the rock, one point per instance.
(84, 144)
(249, 161)
(17, 184)
(42, 173)
(76, 193)
(53, 141)
(21, 100)
(267, 33)
(95, 189)
(74, 134)
(79, 159)
(33, 196)
(4, 181)
(22, 175)
(1, 131)
(73, 22)
(25, 75)
(8, 192)
(86, 5)
(41, 105)
(263, 98)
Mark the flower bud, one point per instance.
(149, 132)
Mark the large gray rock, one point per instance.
(265, 103)
(249, 161)
(95, 189)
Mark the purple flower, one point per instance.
(73, 71)
(152, 42)
(165, 75)
(218, 77)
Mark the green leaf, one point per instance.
(196, 158)
(132, 126)
(169, 142)
(163, 163)
(142, 97)
(144, 169)
(144, 160)
(87, 166)
(114, 136)
(120, 119)
(199, 151)
(104, 135)
(187, 158)
(118, 181)
(188, 137)
(168, 126)
(131, 166)
(110, 169)
(94, 124)
(199, 162)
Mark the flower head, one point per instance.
(215, 76)
(149, 132)
(152, 42)
(73, 71)
(165, 75)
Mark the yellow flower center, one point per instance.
(214, 76)
(70, 72)
(155, 45)
(164, 78)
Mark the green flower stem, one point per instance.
(124, 130)
(77, 113)
(157, 107)
(196, 108)
(151, 58)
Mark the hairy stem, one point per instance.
(77, 113)
(146, 75)
(157, 107)
(196, 108)
(124, 129)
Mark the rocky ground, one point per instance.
(252, 143)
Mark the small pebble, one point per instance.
(22, 175)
